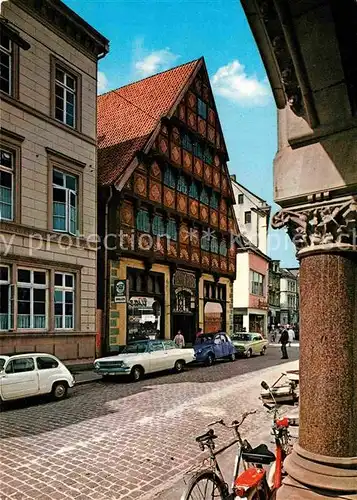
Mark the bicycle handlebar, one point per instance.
(235, 424)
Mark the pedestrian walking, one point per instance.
(291, 334)
(199, 333)
(179, 339)
(284, 339)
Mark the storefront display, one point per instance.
(145, 305)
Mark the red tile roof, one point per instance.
(128, 116)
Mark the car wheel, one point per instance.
(249, 354)
(262, 352)
(179, 366)
(59, 390)
(232, 357)
(137, 373)
(209, 360)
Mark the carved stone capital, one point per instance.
(324, 226)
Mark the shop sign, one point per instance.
(184, 279)
(119, 292)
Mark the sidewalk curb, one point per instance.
(87, 381)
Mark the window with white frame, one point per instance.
(7, 166)
(65, 97)
(6, 299)
(31, 299)
(6, 62)
(256, 283)
(65, 202)
(64, 301)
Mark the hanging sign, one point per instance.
(119, 292)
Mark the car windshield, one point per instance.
(135, 348)
(2, 363)
(243, 337)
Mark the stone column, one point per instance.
(324, 462)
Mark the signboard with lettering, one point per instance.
(119, 291)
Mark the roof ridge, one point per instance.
(151, 76)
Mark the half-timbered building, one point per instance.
(165, 202)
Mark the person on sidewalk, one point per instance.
(179, 339)
(284, 339)
(291, 334)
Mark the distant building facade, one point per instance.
(250, 290)
(289, 296)
(274, 293)
(48, 168)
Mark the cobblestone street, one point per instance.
(121, 440)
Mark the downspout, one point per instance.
(106, 270)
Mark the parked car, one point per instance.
(209, 347)
(144, 356)
(25, 375)
(247, 343)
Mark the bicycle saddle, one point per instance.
(259, 455)
(207, 435)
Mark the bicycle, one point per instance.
(209, 483)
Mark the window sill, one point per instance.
(42, 333)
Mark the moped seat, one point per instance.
(259, 455)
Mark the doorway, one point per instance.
(186, 323)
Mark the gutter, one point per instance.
(106, 270)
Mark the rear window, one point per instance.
(45, 363)
(243, 337)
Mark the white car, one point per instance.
(145, 356)
(25, 375)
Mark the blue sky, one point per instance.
(147, 36)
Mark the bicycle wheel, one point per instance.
(205, 485)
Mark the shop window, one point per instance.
(193, 192)
(169, 177)
(7, 171)
(143, 221)
(31, 299)
(182, 185)
(64, 301)
(65, 202)
(171, 230)
(158, 226)
(256, 283)
(214, 200)
(201, 108)
(223, 248)
(204, 198)
(186, 142)
(144, 317)
(6, 299)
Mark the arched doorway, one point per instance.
(214, 319)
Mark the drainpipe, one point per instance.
(106, 270)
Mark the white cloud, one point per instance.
(158, 60)
(232, 82)
(102, 82)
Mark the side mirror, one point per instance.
(265, 385)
